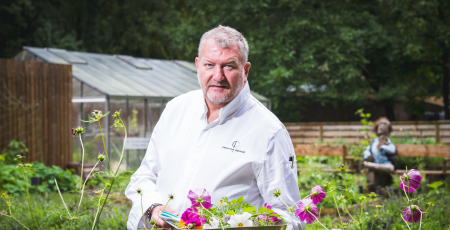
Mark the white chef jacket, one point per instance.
(245, 152)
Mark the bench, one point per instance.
(402, 151)
(326, 150)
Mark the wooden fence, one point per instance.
(313, 132)
(36, 108)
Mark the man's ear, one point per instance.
(246, 70)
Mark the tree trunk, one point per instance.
(446, 81)
(389, 109)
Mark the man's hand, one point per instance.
(161, 222)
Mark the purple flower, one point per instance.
(271, 218)
(191, 216)
(410, 181)
(412, 213)
(307, 210)
(199, 198)
(317, 194)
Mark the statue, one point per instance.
(380, 157)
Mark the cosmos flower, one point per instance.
(241, 220)
(317, 194)
(410, 181)
(307, 210)
(412, 213)
(191, 218)
(199, 198)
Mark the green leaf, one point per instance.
(436, 184)
(230, 212)
(249, 209)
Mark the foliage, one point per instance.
(11, 179)
(330, 51)
(13, 149)
(49, 209)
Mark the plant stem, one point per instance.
(220, 222)
(348, 196)
(82, 190)
(82, 162)
(104, 145)
(98, 209)
(373, 208)
(287, 207)
(17, 221)
(115, 174)
(143, 217)
(159, 214)
(405, 221)
(29, 202)
(337, 207)
(317, 218)
(62, 198)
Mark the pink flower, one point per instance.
(307, 210)
(412, 213)
(261, 219)
(411, 181)
(199, 198)
(317, 194)
(272, 218)
(190, 216)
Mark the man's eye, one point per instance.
(229, 66)
(209, 65)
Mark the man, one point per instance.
(219, 138)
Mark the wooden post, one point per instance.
(344, 153)
(321, 133)
(437, 137)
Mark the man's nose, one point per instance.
(219, 74)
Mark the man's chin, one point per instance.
(218, 100)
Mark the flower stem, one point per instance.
(29, 202)
(104, 146)
(317, 218)
(82, 190)
(17, 221)
(288, 209)
(350, 200)
(82, 162)
(143, 217)
(115, 174)
(160, 214)
(220, 222)
(98, 209)
(337, 207)
(405, 222)
(62, 198)
(373, 218)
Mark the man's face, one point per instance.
(220, 72)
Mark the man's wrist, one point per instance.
(150, 210)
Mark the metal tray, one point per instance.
(274, 227)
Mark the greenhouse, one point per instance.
(139, 87)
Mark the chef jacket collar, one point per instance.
(231, 107)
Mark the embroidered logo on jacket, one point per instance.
(234, 146)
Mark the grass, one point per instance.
(50, 212)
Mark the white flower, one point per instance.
(241, 220)
(214, 223)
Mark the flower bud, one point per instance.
(19, 165)
(171, 197)
(373, 195)
(139, 190)
(96, 111)
(108, 184)
(277, 193)
(341, 167)
(101, 157)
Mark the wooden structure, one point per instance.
(402, 151)
(313, 132)
(36, 108)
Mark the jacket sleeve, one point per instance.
(367, 152)
(145, 178)
(278, 173)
